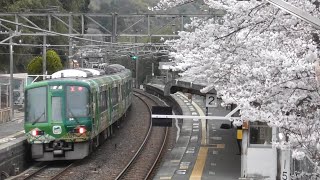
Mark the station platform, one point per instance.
(12, 146)
(11, 130)
(203, 149)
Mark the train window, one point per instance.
(101, 104)
(77, 101)
(36, 105)
(123, 91)
(56, 109)
(114, 96)
(103, 101)
(106, 99)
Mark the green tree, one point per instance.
(53, 63)
(35, 66)
(21, 53)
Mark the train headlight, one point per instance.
(36, 132)
(82, 130)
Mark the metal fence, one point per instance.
(18, 84)
(18, 91)
(304, 169)
(5, 109)
(4, 96)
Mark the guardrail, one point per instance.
(5, 115)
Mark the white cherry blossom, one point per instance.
(261, 58)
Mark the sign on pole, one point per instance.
(285, 164)
(211, 100)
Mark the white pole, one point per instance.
(11, 80)
(285, 164)
(44, 57)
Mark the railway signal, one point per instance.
(133, 57)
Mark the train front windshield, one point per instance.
(36, 105)
(77, 101)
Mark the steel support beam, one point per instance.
(137, 64)
(143, 21)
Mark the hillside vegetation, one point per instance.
(23, 55)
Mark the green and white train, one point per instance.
(71, 113)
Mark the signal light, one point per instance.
(133, 57)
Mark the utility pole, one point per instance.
(81, 60)
(70, 40)
(114, 28)
(44, 57)
(137, 64)
(152, 70)
(11, 78)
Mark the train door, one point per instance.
(56, 98)
(109, 107)
(95, 114)
(114, 102)
(103, 109)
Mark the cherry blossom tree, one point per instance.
(261, 58)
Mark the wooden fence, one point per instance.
(5, 115)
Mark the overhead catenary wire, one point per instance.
(50, 32)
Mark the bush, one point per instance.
(53, 63)
(35, 66)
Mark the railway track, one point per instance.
(144, 162)
(47, 171)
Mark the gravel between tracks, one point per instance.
(111, 157)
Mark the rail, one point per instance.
(46, 167)
(142, 147)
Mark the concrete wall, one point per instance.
(262, 162)
(13, 157)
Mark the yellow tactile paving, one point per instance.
(216, 146)
(165, 177)
(199, 165)
(203, 151)
(184, 167)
